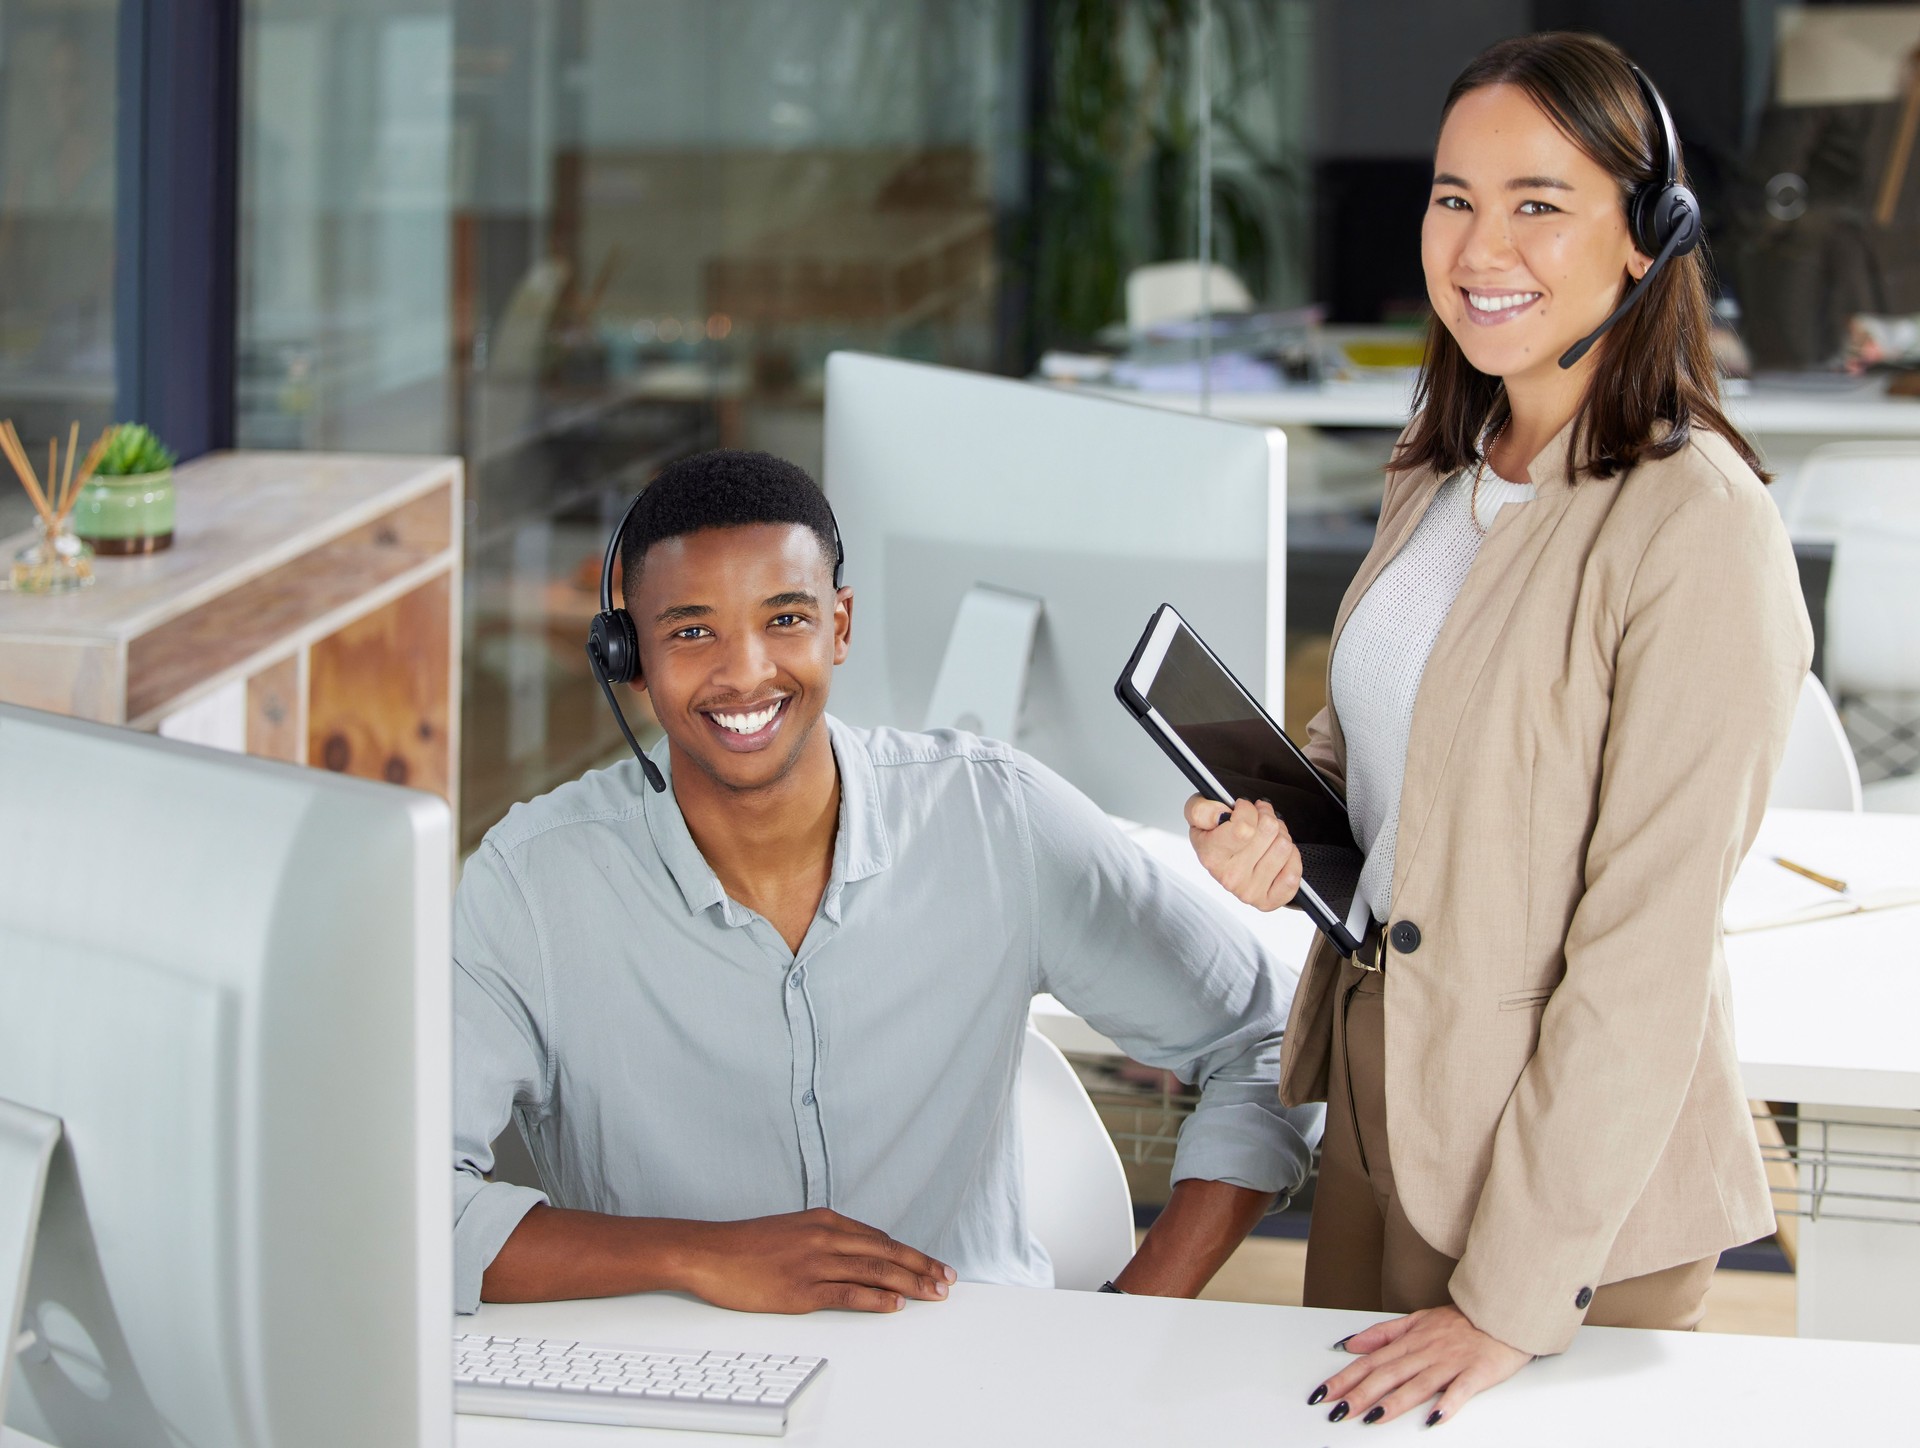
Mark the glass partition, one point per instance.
(58, 62)
(575, 239)
(345, 145)
(668, 214)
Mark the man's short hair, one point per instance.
(724, 489)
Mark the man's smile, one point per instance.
(747, 729)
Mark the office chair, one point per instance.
(1818, 769)
(1078, 1205)
(1865, 497)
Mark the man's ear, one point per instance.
(842, 624)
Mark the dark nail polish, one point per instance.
(1339, 1412)
(1226, 816)
(1344, 1341)
(1433, 1417)
(1318, 1395)
(1374, 1414)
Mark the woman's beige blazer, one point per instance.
(1591, 750)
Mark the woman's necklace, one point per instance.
(1480, 471)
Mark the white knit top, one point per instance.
(1383, 652)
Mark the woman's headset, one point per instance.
(1663, 216)
(613, 644)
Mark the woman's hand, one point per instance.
(1408, 1360)
(1247, 849)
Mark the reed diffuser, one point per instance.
(56, 561)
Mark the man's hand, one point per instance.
(1247, 849)
(1410, 1359)
(795, 1263)
(805, 1261)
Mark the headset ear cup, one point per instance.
(1680, 212)
(1659, 212)
(617, 645)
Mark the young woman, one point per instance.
(1560, 686)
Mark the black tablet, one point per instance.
(1224, 742)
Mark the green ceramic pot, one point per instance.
(132, 514)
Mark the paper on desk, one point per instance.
(1766, 895)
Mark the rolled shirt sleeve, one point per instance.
(500, 1059)
(1174, 980)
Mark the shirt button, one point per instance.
(807, 1100)
(793, 981)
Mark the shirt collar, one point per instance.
(861, 847)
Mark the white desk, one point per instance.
(1014, 1366)
(1827, 1014)
(1769, 408)
(1830, 1010)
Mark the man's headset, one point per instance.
(1663, 216)
(613, 644)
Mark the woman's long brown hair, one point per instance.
(1656, 365)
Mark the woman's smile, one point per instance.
(1487, 308)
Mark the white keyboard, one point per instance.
(582, 1382)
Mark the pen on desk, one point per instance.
(1840, 886)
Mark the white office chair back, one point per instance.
(1818, 770)
(1170, 291)
(1078, 1205)
(1865, 498)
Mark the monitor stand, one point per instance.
(27, 1140)
(983, 675)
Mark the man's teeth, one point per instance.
(749, 723)
(1481, 302)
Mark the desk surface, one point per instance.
(1014, 1366)
(1826, 1012)
(1771, 407)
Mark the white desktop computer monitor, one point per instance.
(224, 1098)
(965, 500)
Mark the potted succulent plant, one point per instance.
(128, 504)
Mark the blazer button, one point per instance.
(1404, 937)
(1582, 1298)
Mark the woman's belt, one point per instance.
(1372, 954)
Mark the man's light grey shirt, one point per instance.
(666, 1055)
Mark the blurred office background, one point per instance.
(571, 240)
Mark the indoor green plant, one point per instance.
(128, 504)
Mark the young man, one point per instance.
(761, 1031)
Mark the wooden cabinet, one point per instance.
(309, 611)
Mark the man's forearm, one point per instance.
(1194, 1234)
(796, 1262)
(556, 1253)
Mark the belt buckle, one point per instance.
(1378, 949)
